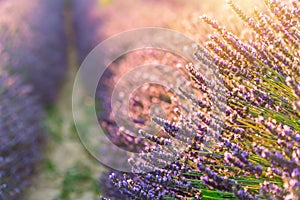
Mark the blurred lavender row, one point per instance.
(32, 65)
(21, 135)
(86, 25)
(32, 43)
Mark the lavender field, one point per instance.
(148, 99)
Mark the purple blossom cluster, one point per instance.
(21, 135)
(253, 151)
(32, 43)
(239, 137)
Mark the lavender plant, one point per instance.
(256, 150)
(32, 43)
(21, 135)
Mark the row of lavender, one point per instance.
(32, 65)
(86, 26)
(256, 144)
(33, 43)
(21, 135)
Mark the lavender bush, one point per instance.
(32, 43)
(256, 150)
(21, 134)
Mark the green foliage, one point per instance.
(77, 179)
